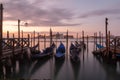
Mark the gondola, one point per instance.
(74, 54)
(60, 52)
(78, 46)
(83, 45)
(47, 52)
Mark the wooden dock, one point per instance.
(13, 46)
(111, 49)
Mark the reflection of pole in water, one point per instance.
(110, 69)
(1, 70)
(87, 45)
(58, 66)
(75, 68)
(51, 68)
(83, 43)
(83, 55)
(8, 65)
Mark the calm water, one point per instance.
(90, 68)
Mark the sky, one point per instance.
(60, 15)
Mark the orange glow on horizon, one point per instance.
(12, 27)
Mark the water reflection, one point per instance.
(110, 68)
(38, 64)
(76, 69)
(89, 68)
(58, 66)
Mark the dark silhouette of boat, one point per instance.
(60, 52)
(47, 52)
(74, 53)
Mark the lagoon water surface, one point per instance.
(89, 68)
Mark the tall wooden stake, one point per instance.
(7, 34)
(44, 41)
(108, 42)
(77, 37)
(22, 42)
(18, 30)
(1, 25)
(50, 37)
(67, 42)
(38, 42)
(87, 41)
(96, 40)
(102, 38)
(28, 40)
(106, 29)
(83, 36)
(13, 48)
(31, 39)
(34, 39)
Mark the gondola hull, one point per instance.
(60, 52)
(47, 52)
(74, 53)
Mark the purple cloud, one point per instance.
(25, 10)
(100, 13)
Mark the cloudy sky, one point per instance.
(60, 15)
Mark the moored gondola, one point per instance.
(60, 52)
(47, 52)
(74, 53)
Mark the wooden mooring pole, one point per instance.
(67, 42)
(7, 34)
(96, 41)
(31, 39)
(108, 42)
(13, 44)
(50, 36)
(34, 38)
(38, 42)
(28, 40)
(18, 31)
(115, 42)
(1, 29)
(106, 31)
(44, 41)
(102, 39)
(87, 41)
(77, 37)
(1, 37)
(83, 36)
(22, 42)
